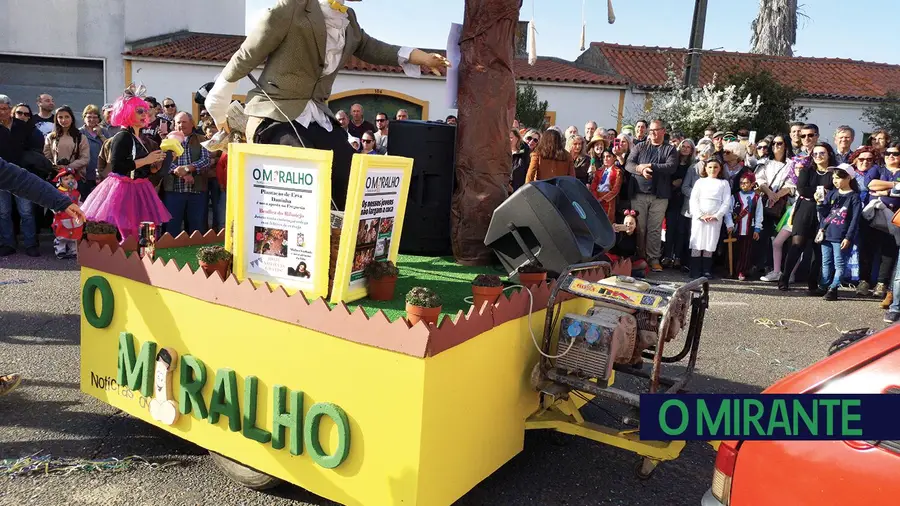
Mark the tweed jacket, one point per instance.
(290, 40)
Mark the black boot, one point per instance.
(695, 267)
(707, 267)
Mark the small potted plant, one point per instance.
(214, 259)
(382, 278)
(102, 233)
(531, 275)
(486, 287)
(423, 304)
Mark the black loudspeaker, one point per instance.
(551, 224)
(432, 146)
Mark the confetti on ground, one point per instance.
(781, 324)
(46, 465)
(14, 282)
(744, 348)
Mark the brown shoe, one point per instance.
(9, 382)
(656, 267)
(886, 303)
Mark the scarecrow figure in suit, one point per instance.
(303, 43)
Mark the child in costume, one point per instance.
(67, 229)
(710, 204)
(748, 220)
(126, 197)
(839, 215)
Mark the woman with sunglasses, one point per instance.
(521, 155)
(368, 143)
(771, 177)
(866, 160)
(126, 197)
(813, 183)
(882, 186)
(550, 158)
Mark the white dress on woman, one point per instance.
(709, 196)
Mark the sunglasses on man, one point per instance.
(807, 136)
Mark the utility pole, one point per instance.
(695, 46)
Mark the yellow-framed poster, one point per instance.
(278, 213)
(373, 221)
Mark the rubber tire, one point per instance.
(244, 475)
(637, 471)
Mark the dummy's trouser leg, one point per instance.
(273, 132)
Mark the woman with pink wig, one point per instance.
(127, 197)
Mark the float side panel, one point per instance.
(477, 397)
(380, 391)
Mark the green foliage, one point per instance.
(885, 114)
(487, 280)
(776, 108)
(530, 111)
(99, 228)
(213, 254)
(423, 297)
(378, 270)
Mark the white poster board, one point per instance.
(454, 56)
(283, 201)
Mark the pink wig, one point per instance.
(123, 112)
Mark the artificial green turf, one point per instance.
(442, 274)
(184, 255)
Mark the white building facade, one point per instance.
(72, 49)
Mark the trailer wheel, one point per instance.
(644, 468)
(244, 475)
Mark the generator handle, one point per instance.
(551, 302)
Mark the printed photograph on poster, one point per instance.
(376, 227)
(283, 211)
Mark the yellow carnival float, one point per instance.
(263, 362)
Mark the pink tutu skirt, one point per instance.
(125, 203)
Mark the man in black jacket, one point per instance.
(21, 142)
(26, 185)
(652, 162)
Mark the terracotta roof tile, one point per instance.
(818, 77)
(219, 48)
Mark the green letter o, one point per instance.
(105, 317)
(311, 430)
(662, 417)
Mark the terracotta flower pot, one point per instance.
(480, 294)
(415, 314)
(529, 279)
(382, 289)
(104, 239)
(221, 266)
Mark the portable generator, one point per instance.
(626, 327)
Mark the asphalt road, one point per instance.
(39, 332)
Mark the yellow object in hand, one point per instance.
(172, 145)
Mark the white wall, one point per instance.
(100, 28)
(829, 115)
(576, 105)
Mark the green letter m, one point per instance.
(704, 420)
(136, 373)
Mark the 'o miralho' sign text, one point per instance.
(299, 178)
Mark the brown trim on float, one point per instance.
(420, 341)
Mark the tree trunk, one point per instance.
(487, 105)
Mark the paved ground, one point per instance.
(39, 326)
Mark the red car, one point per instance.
(820, 473)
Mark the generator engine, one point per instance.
(626, 319)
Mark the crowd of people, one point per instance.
(786, 207)
(118, 160)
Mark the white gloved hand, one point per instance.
(218, 100)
